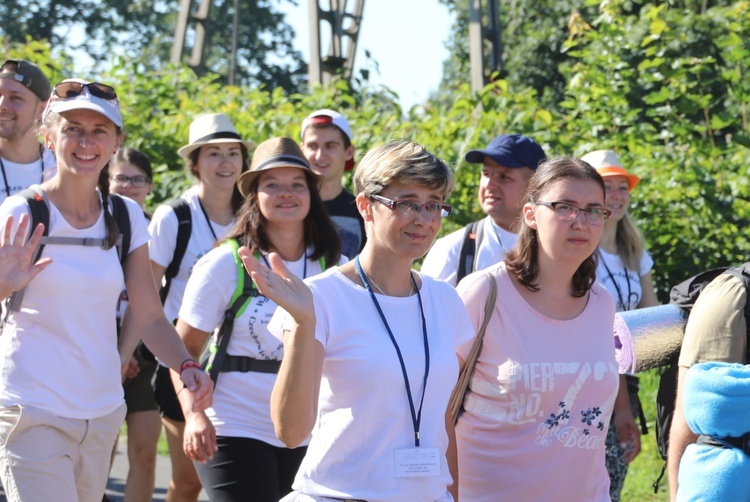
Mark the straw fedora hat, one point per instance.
(607, 163)
(271, 154)
(211, 128)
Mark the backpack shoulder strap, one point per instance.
(39, 212)
(241, 296)
(467, 255)
(121, 216)
(184, 229)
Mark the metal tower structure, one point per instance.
(485, 46)
(199, 17)
(340, 59)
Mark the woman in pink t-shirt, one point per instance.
(540, 398)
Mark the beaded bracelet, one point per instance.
(189, 363)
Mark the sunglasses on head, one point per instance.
(72, 89)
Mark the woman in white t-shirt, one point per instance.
(283, 214)
(369, 347)
(61, 398)
(543, 388)
(625, 270)
(216, 156)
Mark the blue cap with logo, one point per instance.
(510, 150)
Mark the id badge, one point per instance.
(417, 462)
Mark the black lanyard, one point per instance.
(617, 288)
(5, 176)
(205, 215)
(416, 416)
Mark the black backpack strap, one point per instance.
(467, 255)
(39, 212)
(184, 229)
(121, 216)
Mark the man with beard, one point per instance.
(24, 161)
(507, 165)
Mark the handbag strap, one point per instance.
(457, 397)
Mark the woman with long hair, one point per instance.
(61, 397)
(131, 176)
(543, 388)
(216, 156)
(625, 270)
(282, 214)
(369, 347)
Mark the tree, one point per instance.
(145, 30)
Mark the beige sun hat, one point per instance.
(607, 163)
(271, 154)
(212, 128)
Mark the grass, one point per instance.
(643, 470)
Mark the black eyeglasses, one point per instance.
(565, 211)
(66, 90)
(136, 181)
(409, 208)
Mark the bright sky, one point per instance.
(406, 37)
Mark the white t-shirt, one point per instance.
(59, 352)
(19, 177)
(624, 285)
(241, 402)
(441, 261)
(163, 229)
(363, 409)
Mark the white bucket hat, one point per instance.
(211, 128)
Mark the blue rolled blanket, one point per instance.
(716, 400)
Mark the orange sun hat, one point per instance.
(607, 163)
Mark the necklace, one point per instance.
(5, 176)
(411, 290)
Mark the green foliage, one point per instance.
(145, 30)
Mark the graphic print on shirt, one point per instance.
(625, 282)
(263, 347)
(526, 386)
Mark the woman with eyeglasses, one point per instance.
(536, 413)
(283, 214)
(130, 175)
(61, 397)
(625, 270)
(369, 347)
(215, 156)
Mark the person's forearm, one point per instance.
(161, 338)
(129, 338)
(295, 393)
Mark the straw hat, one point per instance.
(211, 128)
(607, 163)
(271, 154)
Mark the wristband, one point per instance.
(189, 363)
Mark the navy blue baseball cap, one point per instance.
(510, 150)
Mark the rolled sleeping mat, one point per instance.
(648, 338)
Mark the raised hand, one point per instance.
(280, 285)
(16, 269)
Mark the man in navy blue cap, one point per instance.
(507, 165)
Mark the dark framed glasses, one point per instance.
(135, 181)
(410, 208)
(66, 90)
(568, 212)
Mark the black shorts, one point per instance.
(166, 397)
(139, 391)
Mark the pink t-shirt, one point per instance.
(539, 401)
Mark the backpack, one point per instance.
(684, 296)
(215, 359)
(184, 229)
(39, 212)
(473, 233)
